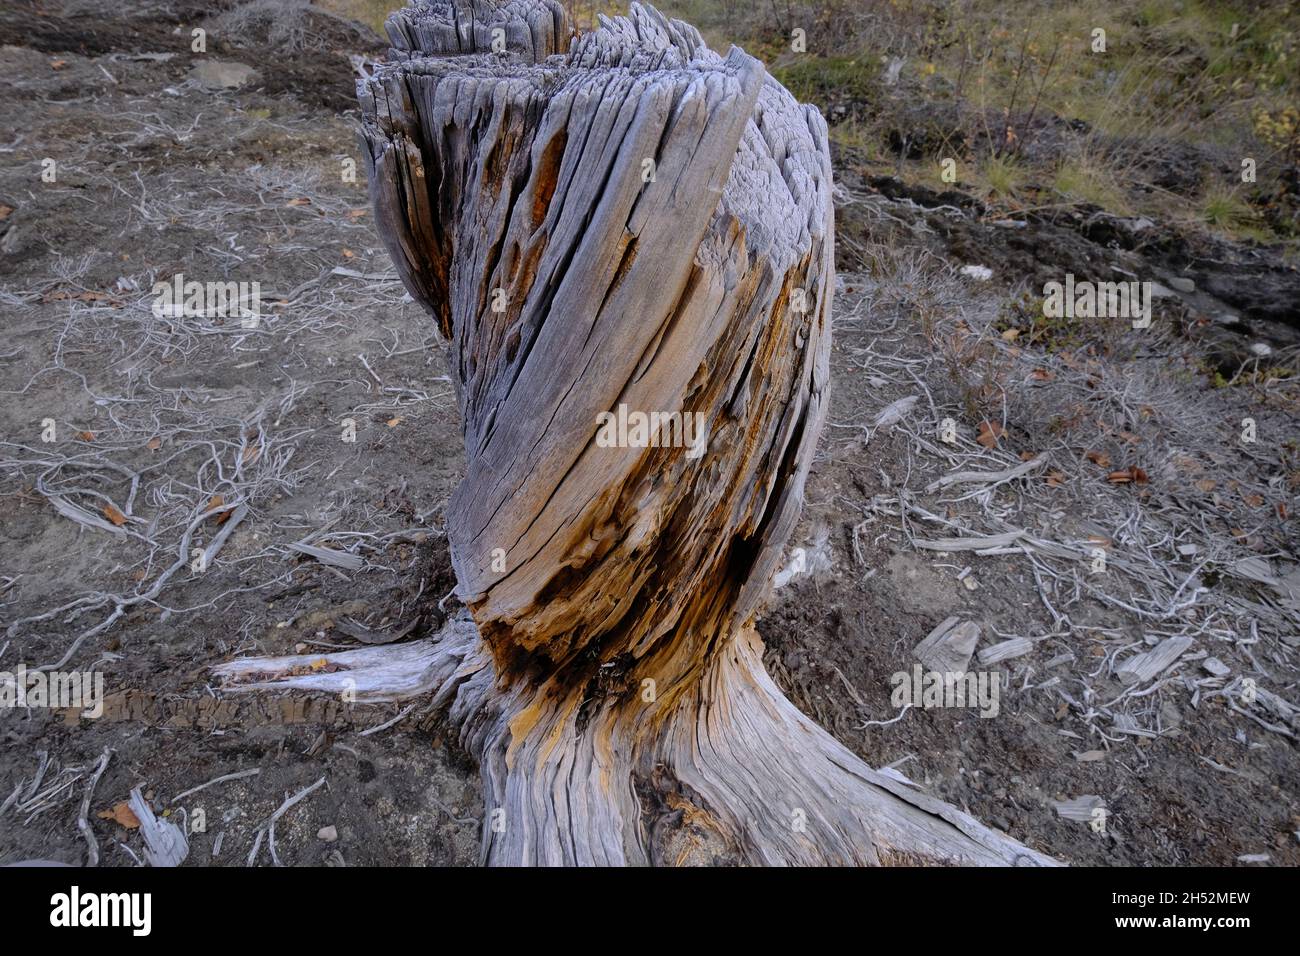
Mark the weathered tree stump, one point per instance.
(618, 225)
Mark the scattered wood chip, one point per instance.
(1079, 809)
(164, 841)
(1144, 667)
(894, 412)
(1006, 650)
(338, 559)
(948, 648)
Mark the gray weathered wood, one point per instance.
(639, 225)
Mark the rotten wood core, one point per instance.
(606, 226)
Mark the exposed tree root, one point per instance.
(729, 772)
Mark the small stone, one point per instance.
(1182, 284)
(222, 74)
(328, 834)
(1215, 667)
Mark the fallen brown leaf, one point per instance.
(989, 433)
(115, 516)
(121, 814)
(1128, 475)
(1099, 458)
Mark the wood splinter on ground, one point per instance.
(602, 225)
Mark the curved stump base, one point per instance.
(731, 772)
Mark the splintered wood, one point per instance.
(635, 226)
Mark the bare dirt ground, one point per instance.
(176, 433)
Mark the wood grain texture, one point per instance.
(610, 681)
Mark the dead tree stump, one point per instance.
(626, 240)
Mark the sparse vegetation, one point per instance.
(1156, 124)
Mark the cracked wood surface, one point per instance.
(622, 219)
